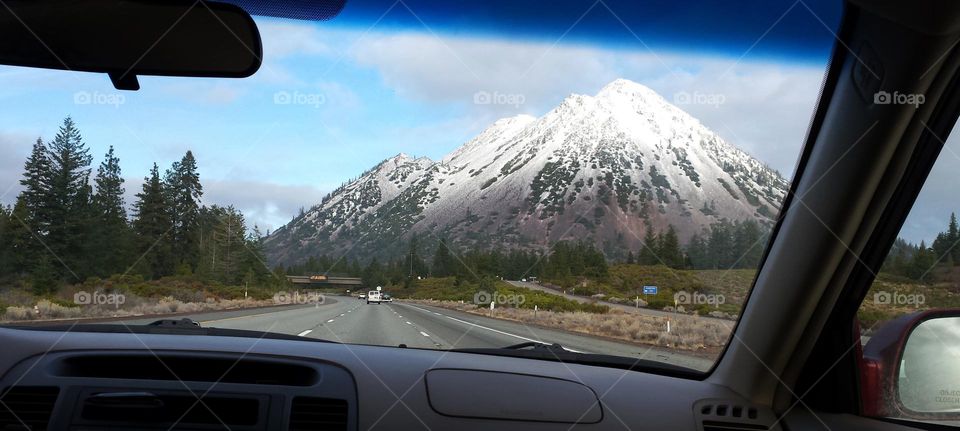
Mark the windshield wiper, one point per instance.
(557, 353)
(167, 327)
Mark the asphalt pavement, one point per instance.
(353, 321)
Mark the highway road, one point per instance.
(349, 320)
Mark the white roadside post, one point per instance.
(491, 305)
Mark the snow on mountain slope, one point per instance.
(601, 168)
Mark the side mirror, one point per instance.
(127, 38)
(911, 367)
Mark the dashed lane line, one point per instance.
(493, 330)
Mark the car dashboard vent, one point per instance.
(310, 413)
(730, 415)
(27, 407)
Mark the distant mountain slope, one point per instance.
(599, 168)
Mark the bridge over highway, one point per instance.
(320, 281)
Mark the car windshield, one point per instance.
(599, 175)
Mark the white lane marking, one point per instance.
(408, 323)
(331, 320)
(424, 334)
(499, 331)
(305, 332)
(341, 315)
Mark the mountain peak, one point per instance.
(522, 118)
(595, 167)
(627, 88)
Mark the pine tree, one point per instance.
(229, 244)
(417, 267)
(30, 216)
(922, 262)
(183, 188)
(68, 198)
(443, 265)
(255, 262)
(630, 259)
(720, 246)
(373, 274)
(670, 251)
(697, 252)
(649, 250)
(6, 248)
(152, 226)
(111, 237)
(83, 248)
(747, 244)
(945, 247)
(23, 246)
(36, 194)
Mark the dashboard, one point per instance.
(99, 381)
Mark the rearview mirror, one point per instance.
(127, 38)
(911, 367)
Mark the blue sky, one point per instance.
(333, 99)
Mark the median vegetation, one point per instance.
(484, 291)
(686, 333)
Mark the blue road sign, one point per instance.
(649, 290)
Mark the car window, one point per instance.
(910, 318)
(604, 178)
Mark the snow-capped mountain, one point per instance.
(601, 168)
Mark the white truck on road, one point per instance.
(374, 296)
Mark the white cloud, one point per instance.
(285, 39)
(766, 107)
(267, 205)
(264, 204)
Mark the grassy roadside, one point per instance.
(890, 296)
(506, 295)
(120, 296)
(624, 282)
(704, 337)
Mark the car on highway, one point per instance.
(752, 207)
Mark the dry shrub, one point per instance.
(686, 332)
(132, 306)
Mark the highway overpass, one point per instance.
(323, 281)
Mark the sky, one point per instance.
(332, 99)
